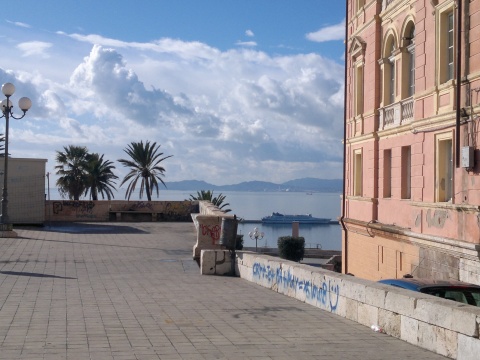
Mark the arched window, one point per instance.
(411, 61)
(391, 73)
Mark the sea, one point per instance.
(255, 205)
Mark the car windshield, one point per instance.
(464, 295)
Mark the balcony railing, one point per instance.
(386, 3)
(396, 114)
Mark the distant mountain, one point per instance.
(298, 185)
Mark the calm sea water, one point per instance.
(255, 205)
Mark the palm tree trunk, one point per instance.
(147, 189)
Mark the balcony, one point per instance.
(386, 3)
(396, 114)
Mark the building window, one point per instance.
(444, 168)
(358, 94)
(357, 173)
(411, 62)
(391, 77)
(406, 182)
(387, 173)
(446, 41)
(449, 47)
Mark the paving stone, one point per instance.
(137, 293)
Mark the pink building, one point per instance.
(412, 150)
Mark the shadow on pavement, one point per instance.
(87, 228)
(21, 273)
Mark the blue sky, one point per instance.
(234, 90)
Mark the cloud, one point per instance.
(249, 33)
(19, 24)
(246, 43)
(226, 116)
(329, 33)
(35, 48)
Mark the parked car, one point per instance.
(448, 289)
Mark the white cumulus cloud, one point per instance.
(226, 116)
(328, 33)
(35, 48)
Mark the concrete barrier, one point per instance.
(208, 225)
(443, 326)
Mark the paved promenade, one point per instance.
(132, 291)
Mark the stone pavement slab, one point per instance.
(132, 291)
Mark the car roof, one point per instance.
(417, 284)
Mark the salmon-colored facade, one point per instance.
(412, 151)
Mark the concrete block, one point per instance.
(244, 272)
(468, 348)
(401, 301)
(390, 322)
(303, 279)
(367, 314)
(375, 296)
(409, 329)
(446, 341)
(427, 338)
(215, 262)
(351, 309)
(435, 311)
(287, 282)
(353, 289)
(207, 262)
(208, 233)
(341, 308)
(465, 319)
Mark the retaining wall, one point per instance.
(443, 326)
(119, 210)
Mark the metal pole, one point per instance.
(4, 216)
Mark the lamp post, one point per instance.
(6, 107)
(255, 234)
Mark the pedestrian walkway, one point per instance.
(132, 291)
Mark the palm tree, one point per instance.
(144, 165)
(71, 168)
(100, 178)
(208, 195)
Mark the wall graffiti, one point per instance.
(212, 231)
(81, 207)
(178, 210)
(140, 205)
(327, 293)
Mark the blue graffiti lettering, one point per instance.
(327, 294)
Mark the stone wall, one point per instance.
(26, 190)
(119, 210)
(443, 326)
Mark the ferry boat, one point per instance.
(277, 218)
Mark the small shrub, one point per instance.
(239, 242)
(291, 248)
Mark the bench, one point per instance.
(117, 215)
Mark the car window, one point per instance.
(456, 295)
(463, 295)
(476, 298)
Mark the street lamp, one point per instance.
(255, 234)
(6, 107)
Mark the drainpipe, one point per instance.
(342, 222)
(458, 82)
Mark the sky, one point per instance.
(234, 90)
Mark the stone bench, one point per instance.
(119, 215)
